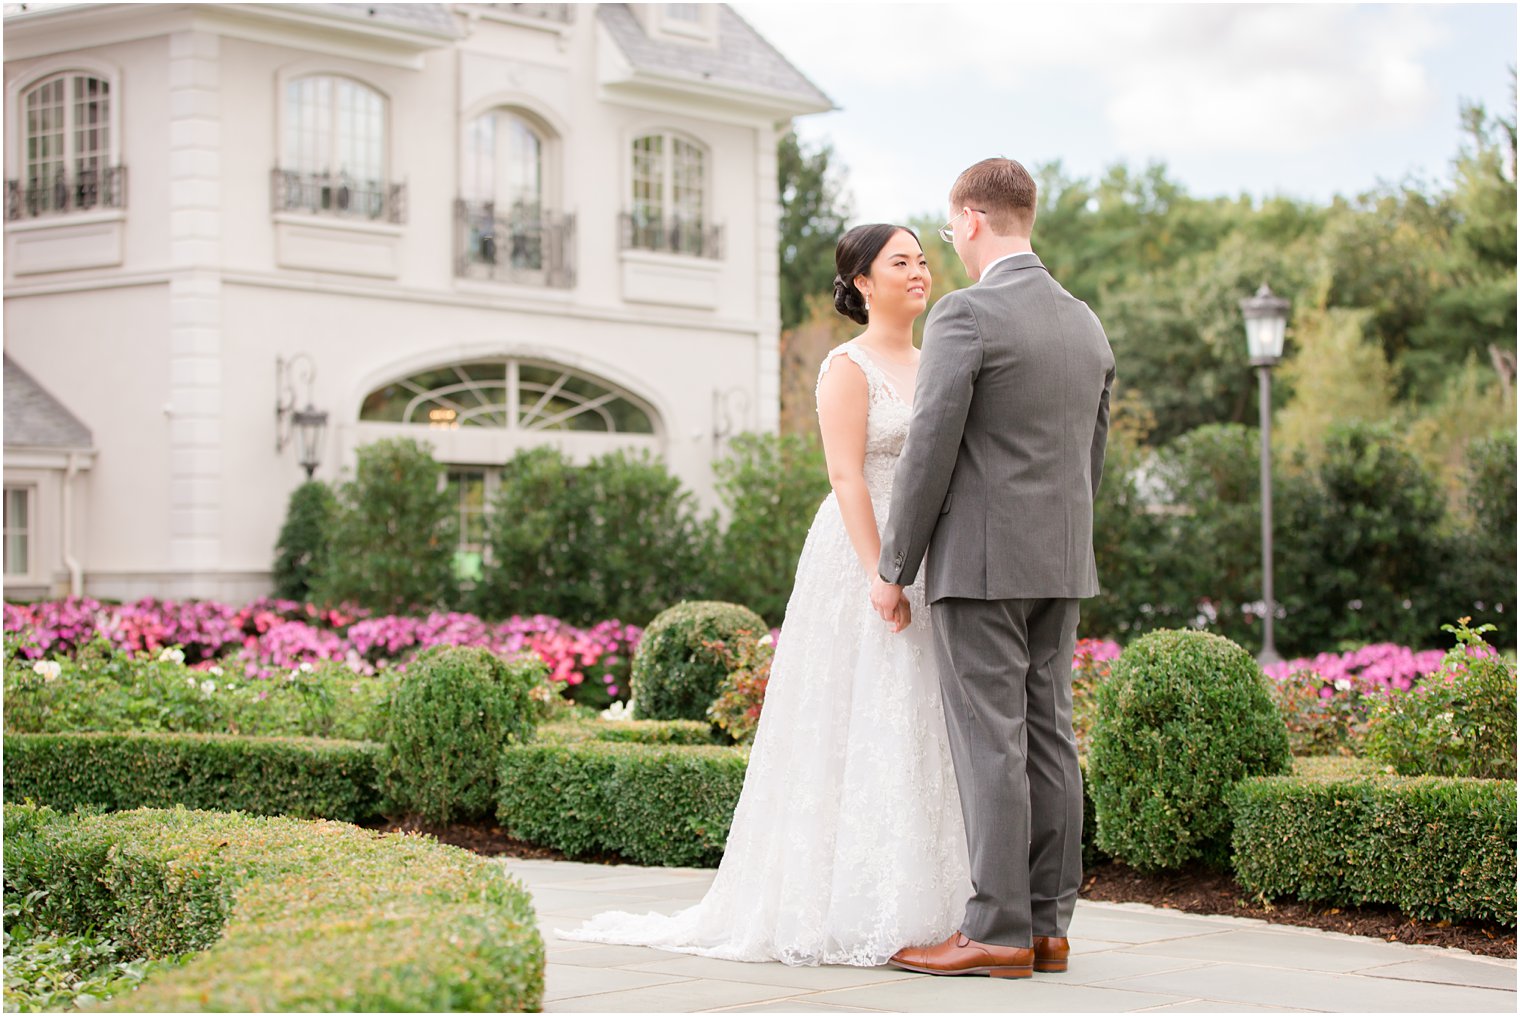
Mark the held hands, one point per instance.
(891, 603)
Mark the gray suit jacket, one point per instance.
(1005, 449)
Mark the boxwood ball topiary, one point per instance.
(1182, 717)
(678, 667)
(449, 718)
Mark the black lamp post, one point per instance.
(1266, 322)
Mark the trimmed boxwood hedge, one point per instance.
(286, 915)
(652, 804)
(629, 732)
(298, 776)
(1435, 847)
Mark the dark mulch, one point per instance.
(1205, 891)
(1195, 891)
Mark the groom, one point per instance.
(1003, 457)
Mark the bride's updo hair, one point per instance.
(856, 251)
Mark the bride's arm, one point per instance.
(843, 402)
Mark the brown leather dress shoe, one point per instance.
(1050, 954)
(958, 955)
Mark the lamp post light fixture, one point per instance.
(309, 424)
(1266, 317)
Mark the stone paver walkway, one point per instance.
(1125, 958)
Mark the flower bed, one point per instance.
(268, 638)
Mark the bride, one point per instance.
(847, 843)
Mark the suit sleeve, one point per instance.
(1100, 432)
(947, 370)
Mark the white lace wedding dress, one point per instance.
(847, 843)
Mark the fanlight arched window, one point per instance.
(668, 202)
(66, 157)
(508, 393)
(333, 150)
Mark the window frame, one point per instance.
(637, 223)
(28, 533)
(328, 191)
(16, 148)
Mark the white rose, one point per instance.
(307, 668)
(215, 671)
(171, 655)
(47, 669)
(207, 687)
(190, 681)
(767, 640)
(1341, 684)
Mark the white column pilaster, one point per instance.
(195, 309)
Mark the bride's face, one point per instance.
(899, 279)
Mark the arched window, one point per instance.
(67, 164)
(668, 203)
(507, 393)
(333, 150)
(508, 227)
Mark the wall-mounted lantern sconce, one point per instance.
(306, 424)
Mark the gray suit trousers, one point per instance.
(1005, 677)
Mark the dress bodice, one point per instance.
(887, 418)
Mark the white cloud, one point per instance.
(1176, 79)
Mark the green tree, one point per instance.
(616, 538)
(394, 534)
(1336, 377)
(814, 207)
(1473, 307)
(301, 551)
(772, 487)
(1362, 549)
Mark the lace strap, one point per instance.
(875, 379)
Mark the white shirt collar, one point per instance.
(1017, 254)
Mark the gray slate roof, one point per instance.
(742, 56)
(34, 418)
(434, 19)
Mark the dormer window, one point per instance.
(688, 22)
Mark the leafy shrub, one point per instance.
(1212, 479)
(394, 534)
(1483, 577)
(105, 689)
(302, 777)
(301, 550)
(449, 718)
(1460, 724)
(1438, 849)
(771, 485)
(617, 537)
(1181, 718)
(1363, 548)
(684, 658)
(1139, 589)
(653, 804)
(304, 916)
(666, 801)
(741, 695)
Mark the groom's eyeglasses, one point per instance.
(947, 233)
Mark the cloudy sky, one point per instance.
(1303, 100)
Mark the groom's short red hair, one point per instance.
(1003, 189)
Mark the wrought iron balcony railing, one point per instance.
(87, 189)
(672, 235)
(522, 244)
(337, 194)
